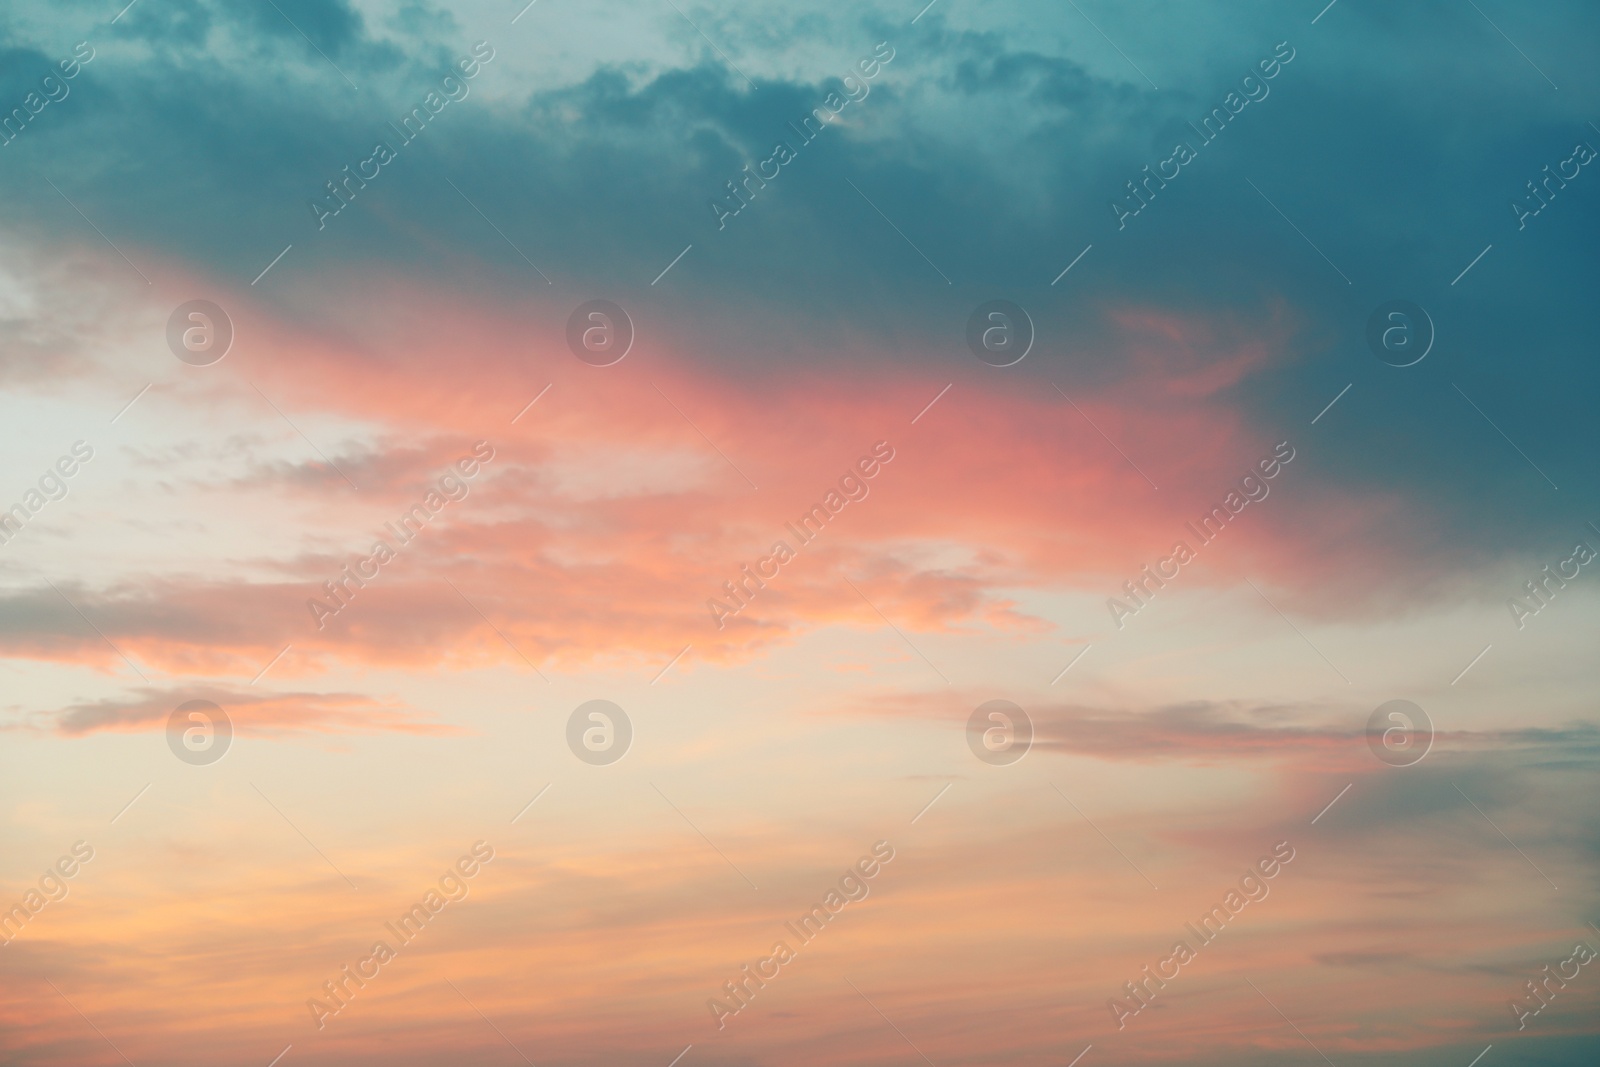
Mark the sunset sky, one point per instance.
(399, 215)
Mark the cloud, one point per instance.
(830, 312)
(1312, 737)
(606, 522)
(1193, 300)
(266, 714)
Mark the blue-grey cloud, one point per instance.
(1361, 172)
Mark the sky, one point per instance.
(383, 384)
